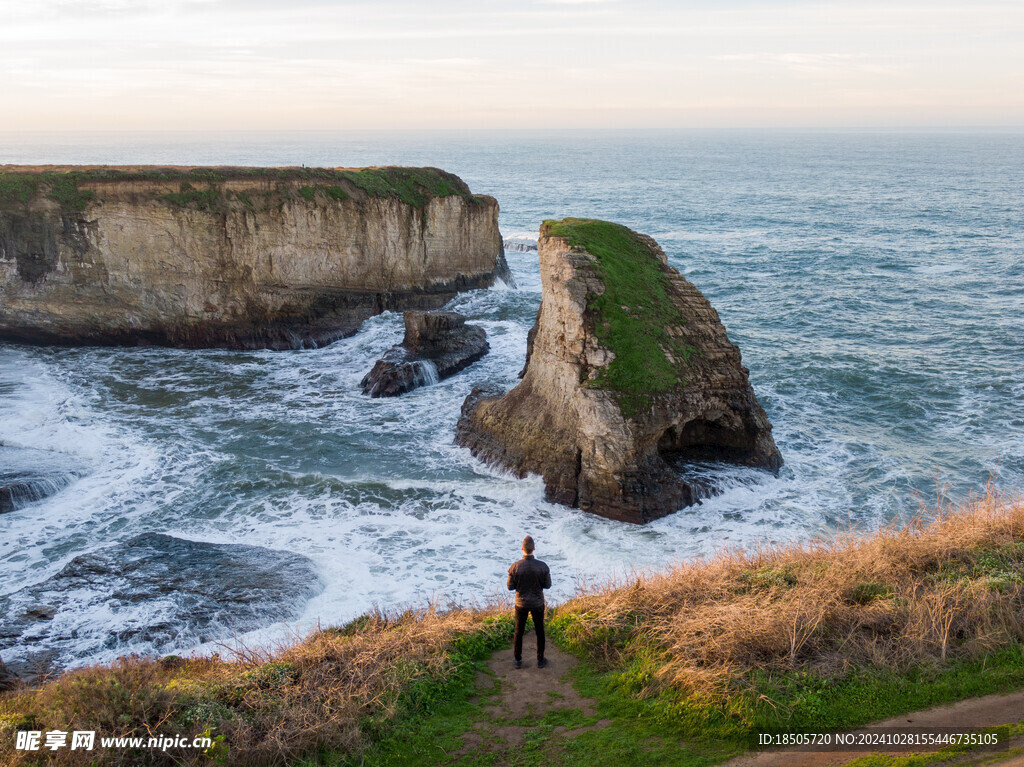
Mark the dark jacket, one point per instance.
(528, 578)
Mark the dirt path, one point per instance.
(516, 703)
(967, 715)
(531, 716)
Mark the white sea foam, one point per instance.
(882, 363)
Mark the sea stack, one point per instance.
(628, 369)
(233, 257)
(437, 345)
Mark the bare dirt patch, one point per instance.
(527, 704)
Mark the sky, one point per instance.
(482, 64)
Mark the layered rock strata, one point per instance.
(629, 371)
(233, 257)
(437, 345)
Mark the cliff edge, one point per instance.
(628, 370)
(232, 257)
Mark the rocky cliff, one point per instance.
(629, 370)
(235, 257)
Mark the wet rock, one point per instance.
(520, 244)
(8, 680)
(629, 373)
(153, 594)
(437, 345)
(27, 476)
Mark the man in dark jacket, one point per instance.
(528, 578)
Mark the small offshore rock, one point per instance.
(240, 258)
(437, 345)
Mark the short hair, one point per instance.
(528, 546)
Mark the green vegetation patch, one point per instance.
(203, 188)
(792, 701)
(998, 567)
(975, 755)
(634, 317)
(189, 196)
(331, 192)
(17, 188)
(20, 188)
(414, 186)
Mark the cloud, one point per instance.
(348, 64)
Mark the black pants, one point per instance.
(538, 624)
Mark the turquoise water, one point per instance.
(874, 283)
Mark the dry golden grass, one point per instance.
(271, 707)
(951, 588)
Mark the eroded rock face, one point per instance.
(628, 368)
(152, 594)
(8, 681)
(27, 476)
(437, 345)
(233, 257)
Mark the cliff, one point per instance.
(628, 371)
(233, 257)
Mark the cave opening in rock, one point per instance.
(709, 438)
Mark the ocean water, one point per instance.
(874, 283)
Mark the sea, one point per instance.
(873, 281)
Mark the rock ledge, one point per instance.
(437, 345)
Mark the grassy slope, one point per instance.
(689, 665)
(202, 188)
(634, 314)
(655, 731)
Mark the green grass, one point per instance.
(414, 186)
(202, 188)
(331, 192)
(633, 316)
(634, 736)
(440, 701)
(17, 188)
(806, 702)
(980, 754)
(803, 701)
(188, 196)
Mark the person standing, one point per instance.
(528, 578)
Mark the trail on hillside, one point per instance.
(539, 711)
(518, 706)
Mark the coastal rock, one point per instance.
(436, 345)
(233, 257)
(152, 594)
(629, 371)
(27, 476)
(8, 680)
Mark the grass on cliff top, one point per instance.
(817, 637)
(413, 186)
(17, 188)
(635, 315)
